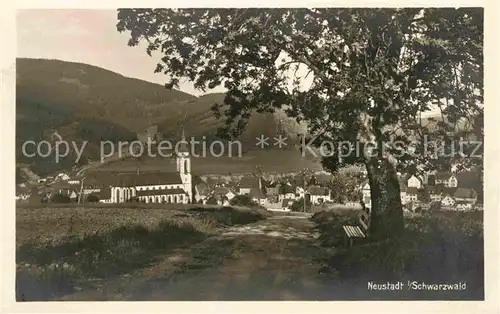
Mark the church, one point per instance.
(156, 187)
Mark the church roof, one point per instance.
(134, 179)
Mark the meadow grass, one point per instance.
(59, 248)
(437, 247)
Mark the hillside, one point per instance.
(86, 103)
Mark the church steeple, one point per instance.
(183, 144)
(184, 161)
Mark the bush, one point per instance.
(60, 199)
(92, 198)
(298, 205)
(243, 200)
(211, 201)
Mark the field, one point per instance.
(223, 253)
(59, 247)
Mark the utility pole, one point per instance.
(81, 191)
(304, 187)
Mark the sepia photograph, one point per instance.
(250, 154)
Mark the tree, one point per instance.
(345, 186)
(92, 198)
(424, 196)
(60, 199)
(242, 200)
(355, 75)
(211, 201)
(298, 205)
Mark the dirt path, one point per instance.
(274, 259)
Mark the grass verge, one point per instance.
(442, 247)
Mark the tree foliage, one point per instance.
(353, 75)
(242, 200)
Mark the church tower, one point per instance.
(184, 167)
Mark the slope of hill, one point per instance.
(86, 103)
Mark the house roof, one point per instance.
(442, 175)
(62, 185)
(22, 190)
(203, 189)
(256, 193)
(161, 192)
(465, 193)
(221, 190)
(469, 180)
(249, 182)
(133, 179)
(286, 189)
(411, 190)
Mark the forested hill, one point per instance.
(84, 102)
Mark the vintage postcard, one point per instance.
(251, 154)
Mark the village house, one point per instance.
(448, 201)
(272, 193)
(435, 195)
(223, 195)
(318, 195)
(414, 182)
(62, 177)
(462, 205)
(446, 179)
(74, 181)
(411, 194)
(248, 183)
(258, 196)
(299, 192)
(286, 191)
(366, 194)
(62, 188)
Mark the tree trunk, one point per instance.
(386, 208)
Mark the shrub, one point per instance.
(298, 205)
(211, 201)
(92, 198)
(60, 199)
(243, 200)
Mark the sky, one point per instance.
(91, 37)
(86, 36)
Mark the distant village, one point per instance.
(275, 192)
(298, 191)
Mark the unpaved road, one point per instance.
(273, 259)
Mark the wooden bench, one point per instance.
(354, 233)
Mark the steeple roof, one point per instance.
(183, 144)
